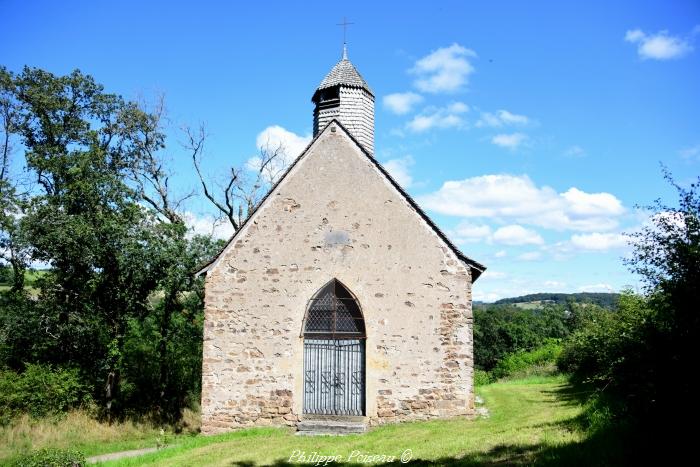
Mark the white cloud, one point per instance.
(470, 233)
(602, 287)
(530, 256)
(402, 103)
(275, 138)
(501, 254)
(439, 117)
(634, 35)
(481, 296)
(599, 241)
(399, 169)
(517, 235)
(665, 223)
(444, 70)
(574, 151)
(511, 141)
(518, 198)
(208, 225)
(690, 153)
(659, 46)
(466, 232)
(493, 274)
(554, 284)
(670, 220)
(501, 118)
(458, 108)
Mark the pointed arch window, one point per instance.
(333, 313)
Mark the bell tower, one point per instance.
(344, 95)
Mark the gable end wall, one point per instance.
(336, 216)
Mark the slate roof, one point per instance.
(344, 73)
(475, 267)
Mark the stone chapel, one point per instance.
(338, 298)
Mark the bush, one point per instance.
(526, 363)
(481, 378)
(5, 274)
(51, 458)
(41, 390)
(611, 348)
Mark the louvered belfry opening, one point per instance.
(334, 353)
(334, 314)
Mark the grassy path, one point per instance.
(531, 421)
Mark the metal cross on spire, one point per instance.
(345, 25)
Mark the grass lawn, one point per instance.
(532, 421)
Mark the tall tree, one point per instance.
(84, 219)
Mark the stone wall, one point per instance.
(336, 216)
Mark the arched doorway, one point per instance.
(334, 353)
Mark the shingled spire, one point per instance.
(344, 95)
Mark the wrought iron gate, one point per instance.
(334, 376)
(334, 353)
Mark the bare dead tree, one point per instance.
(149, 174)
(235, 199)
(244, 187)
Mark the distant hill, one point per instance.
(537, 300)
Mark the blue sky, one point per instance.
(528, 130)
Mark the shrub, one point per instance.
(51, 458)
(611, 348)
(41, 390)
(503, 329)
(481, 378)
(525, 363)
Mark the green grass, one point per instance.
(532, 421)
(76, 430)
(30, 278)
(539, 420)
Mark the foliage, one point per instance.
(41, 390)
(98, 210)
(528, 361)
(643, 355)
(482, 378)
(503, 329)
(607, 347)
(6, 274)
(667, 255)
(51, 458)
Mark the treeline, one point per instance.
(637, 357)
(115, 322)
(511, 341)
(606, 300)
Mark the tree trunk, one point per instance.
(169, 306)
(111, 392)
